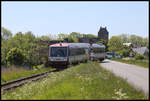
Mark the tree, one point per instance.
(28, 46)
(124, 52)
(104, 42)
(15, 56)
(136, 40)
(34, 49)
(146, 42)
(62, 36)
(147, 45)
(43, 49)
(4, 50)
(45, 38)
(89, 35)
(115, 44)
(18, 41)
(29, 36)
(124, 38)
(75, 35)
(75, 40)
(6, 34)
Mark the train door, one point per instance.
(87, 54)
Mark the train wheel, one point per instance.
(101, 60)
(85, 61)
(66, 66)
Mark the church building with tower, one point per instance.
(103, 33)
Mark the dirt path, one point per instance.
(135, 75)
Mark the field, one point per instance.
(142, 63)
(14, 73)
(85, 81)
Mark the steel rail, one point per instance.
(19, 82)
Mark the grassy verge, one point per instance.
(19, 73)
(142, 63)
(85, 81)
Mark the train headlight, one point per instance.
(65, 59)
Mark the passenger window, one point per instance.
(72, 52)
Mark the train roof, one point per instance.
(59, 44)
(98, 45)
(72, 45)
(77, 45)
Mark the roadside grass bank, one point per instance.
(142, 63)
(85, 81)
(16, 73)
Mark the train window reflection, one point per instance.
(59, 51)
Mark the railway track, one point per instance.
(19, 82)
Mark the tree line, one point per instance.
(116, 43)
(25, 49)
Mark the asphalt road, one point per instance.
(135, 75)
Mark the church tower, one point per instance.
(103, 33)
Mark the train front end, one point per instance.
(58, 54)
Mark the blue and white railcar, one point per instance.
(70, 53)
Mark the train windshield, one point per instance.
(109, 53)
(58, 52)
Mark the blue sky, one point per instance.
(44, 18)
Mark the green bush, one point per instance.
(15, 57)
(38, 67)
(124, 52)
(139, 57)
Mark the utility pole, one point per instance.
(91, 51)
(131, 51)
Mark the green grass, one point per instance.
(142, 63)
(84, 81)
(5, 77)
